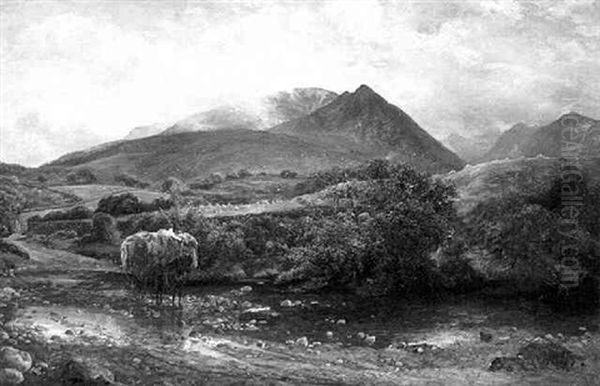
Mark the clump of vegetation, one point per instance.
(81, 177)
(172, 185)
(524, 233)
(208, 182)
(288, 174)
(76, 213)
(11, 203)
(131, 181)
(128, 203)
(104, 230)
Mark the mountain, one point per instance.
(363, 121)
(548, 140)
(353, 128)
(256, 115)
(144, 131)
(470, 149)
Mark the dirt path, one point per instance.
(71, 306)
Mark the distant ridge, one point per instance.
(530, 141)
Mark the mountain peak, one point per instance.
(365, 91)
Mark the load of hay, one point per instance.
(158, 262)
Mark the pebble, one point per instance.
(582, 329)
(69, 332)
(341, 321)
(137, 361)
(370, 339)
(361, 335)
(4, 335)
(286, 303)
(329, 334)
(339, 361)
(246, 304)
(302, 342)
(246, 289)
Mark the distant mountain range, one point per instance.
(548, 140)
(351, 128)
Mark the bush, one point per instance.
(104, 229)
(288, 174)
(524, 234)
(172, 185)
(131, 181)
(382, 243)
(150, 222)
(243, 173)
(81, 177)
(128, 203)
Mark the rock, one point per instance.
(85, 371)
(537, 355)
(9, 292)
(302, 342)
(4, 335)
(341, 321)
(245, 289)
(69, 332)
(329, 334)
(11, 377)
(370, 339)
(339, 361)
(246, 304)
(286, 303)
(485, 336)
(361, 335)
(13, 358)
(137, 361)
(297, 303)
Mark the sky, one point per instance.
(74, 74)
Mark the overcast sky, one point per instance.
(77, 73)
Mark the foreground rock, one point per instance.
(11, 377)
(83, 371)
(537, 355)
(13, 358)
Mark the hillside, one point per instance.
(529, 141)
(366, 122)
(477, 183)
(191, 155)
(144, 131)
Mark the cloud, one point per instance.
(90, 72)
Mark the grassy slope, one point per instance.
(192, 155)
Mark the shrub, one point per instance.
(81, 177)
(129, 180)
(172, 185)
(243, 173)
(128, 203)
(151, 222)
(104, 229)
(288, 174)
(207, 183)
(381, 244)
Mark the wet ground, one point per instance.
(67, 305)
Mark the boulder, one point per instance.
(13, 358)
(11, 377)
(85, 371)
